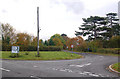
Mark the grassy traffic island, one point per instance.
(116, 67)
(44, 55)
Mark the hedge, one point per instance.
(33, 48)
(51, 48)
(109, 50)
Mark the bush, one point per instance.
(114, 42)
(94, 45)
(109, 50)
(51, 48)
(6, 47)
(14, 55)
(82, 47)
(26, 53)
(33, 48)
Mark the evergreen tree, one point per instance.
(91, 27)
(46, 43)
(112, 24)
(63, 34)
(100, 27)
(51, 43)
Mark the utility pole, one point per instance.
(38, 32)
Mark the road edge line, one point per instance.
(110, 67)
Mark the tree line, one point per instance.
(102, 32)
(10, 37)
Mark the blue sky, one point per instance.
(56, 16)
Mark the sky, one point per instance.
(55, 16)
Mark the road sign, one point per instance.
(72, 46)
(67, 47)
(15, 49)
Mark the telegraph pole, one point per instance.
(38, 32)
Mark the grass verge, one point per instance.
(98, 53)
(44, 55)
(116, 66)
(107, 54)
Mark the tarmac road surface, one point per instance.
(89, 66)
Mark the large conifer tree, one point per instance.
(96, 27)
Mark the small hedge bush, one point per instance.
(26, 53)
(109, 50)
(33, 48)
(14, 55)
(51, 48)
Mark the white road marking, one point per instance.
(35, 66)
(69, 70)
(55, 69)
(101, 75)
(79, 72)
(95, 75)
(86, 72)
(101, 56)
(5, 69)
(82, 73)
(61, 69)
(81, 65)
(31, 76)
(88, 64)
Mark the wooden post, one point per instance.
(38, 32)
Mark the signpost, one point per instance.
(67, 47)
(72, 47)
(15, 49)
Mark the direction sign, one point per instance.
(15, 49)
(72, 46)
(67, 47)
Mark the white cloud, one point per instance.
(56, 16)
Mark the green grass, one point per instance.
(44, 55)
(107, 54)
(116, 66)
(98, 53)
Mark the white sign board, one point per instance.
(67, 47)
(15, 49)
(71, 46)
